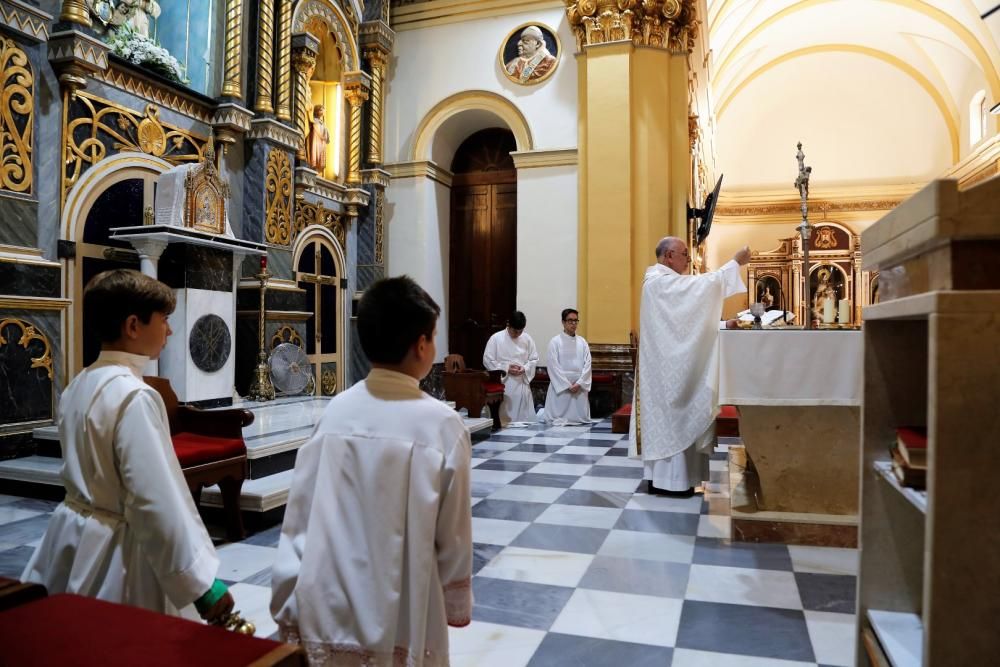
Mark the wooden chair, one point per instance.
(472, 389)
(210, 448)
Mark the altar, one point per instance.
(795, 479)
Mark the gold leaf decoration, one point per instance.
(307, 214)
(17, 118)
(28, 334)
(287, 334)
(278, 198)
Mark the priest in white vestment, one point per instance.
(569, 367)
(513, 351)
(374, 560)
(128, 530)
(678, 375)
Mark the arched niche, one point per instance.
(326, 91)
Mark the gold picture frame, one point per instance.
(526, 72)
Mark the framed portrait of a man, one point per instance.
(530, 54)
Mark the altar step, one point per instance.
(279, 428)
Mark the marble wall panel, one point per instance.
(48, 153)
(18, 221)
(254, 169)
(232, 172)
(279, 262)
(196, 267)
(433, 384)
(30, 279)
(368, 274)
(29, 393)
(359, 364)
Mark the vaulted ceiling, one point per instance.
(878, 91)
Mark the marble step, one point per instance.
(32, 469)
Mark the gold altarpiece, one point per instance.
(775, 277)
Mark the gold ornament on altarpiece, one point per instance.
(278, 198)
(98, 128)
(29, 334)
(287, 334)
(307, 214)
(17, 117)
(205, 195)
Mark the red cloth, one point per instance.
(493, 387)
(624, 410)
(541, 376)
(193, 449)
(603, 378)
(85, 632)
(728, 412)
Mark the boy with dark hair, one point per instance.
(570, 375)
(513, 351)
(375, 556)
(128, 530)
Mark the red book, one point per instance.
(907, 474)
(912, 444)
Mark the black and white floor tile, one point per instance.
(575, 565)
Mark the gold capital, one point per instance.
(356, 92)
(666, 24)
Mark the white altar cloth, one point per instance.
(793, 367)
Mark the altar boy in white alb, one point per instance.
(128, 530)
(569, 367)
(513, 352)
(375, 556)
(678, 375)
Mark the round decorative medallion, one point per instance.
(210, 343)
(530, 54)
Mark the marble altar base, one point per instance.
(798, 480)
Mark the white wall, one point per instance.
(430, 65)
(547, 249)
(416, 213)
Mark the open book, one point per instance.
(767, 318)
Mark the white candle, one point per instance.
(828, 311)
(844, 316)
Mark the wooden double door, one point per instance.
(483, 276)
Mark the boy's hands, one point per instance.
(218, 611)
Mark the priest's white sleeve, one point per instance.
(732, 279)
(454, 534)
(158, 505)
(587, 374)
(491, 356)
(557, 378)
(529, 368)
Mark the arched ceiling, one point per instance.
(878, 91)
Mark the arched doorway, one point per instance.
(117, 194)
(319, 270)
(483, 255)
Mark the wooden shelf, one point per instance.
(916, 497)
(900, 635)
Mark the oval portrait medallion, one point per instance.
(530, 54)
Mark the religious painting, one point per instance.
(530, 54)
(826, 283)
(768, 292)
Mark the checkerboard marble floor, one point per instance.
(575, 565)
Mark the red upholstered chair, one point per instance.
(210, 449)
(472, 389)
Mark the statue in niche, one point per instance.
(825, 289)
(134, 14)
(319, 138)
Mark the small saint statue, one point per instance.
(317, 141)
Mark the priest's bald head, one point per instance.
(672, 253)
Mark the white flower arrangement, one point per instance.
(141, 50)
